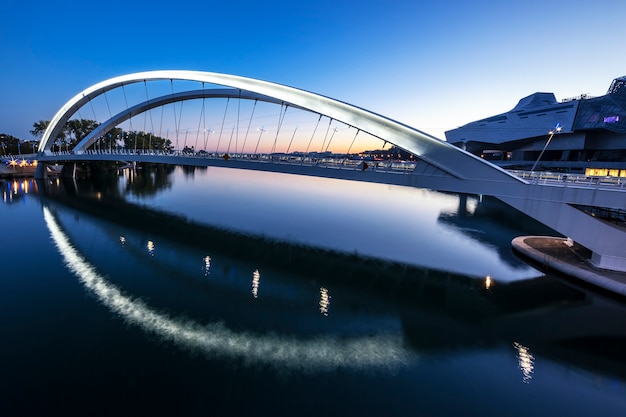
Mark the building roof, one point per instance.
(535, 115)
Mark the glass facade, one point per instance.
(604, 113)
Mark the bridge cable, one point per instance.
(314, 130)
(204, 133)
(65, 129)
(195, 149)
(281, 118)
(352, 143)
(130, 119)
(259, 140)
(180, 118)
(335, 130)
(291, 141)
(108, 106)
(235, 127)
(149, 111)
(249, 123)
(219, 139)
(161, 122)
(95, 118)
(330, 120)
(174, 107)
(238, 118)
(232, 132)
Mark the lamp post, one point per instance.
(552, 132)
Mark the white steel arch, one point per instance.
(445, 157)
(442, 166)
(167, 99)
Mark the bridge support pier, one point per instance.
(603, 239)
(69, 170)
(610, 262)
(41, 173)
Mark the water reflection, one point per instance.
(256, 277)
(207, 265)
(150, 247)
(488, 282)
(526, 361)
(324, 301)
(402, 309)
(14, 190)
(215, 339)
(398, 224)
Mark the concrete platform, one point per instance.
(560, 255)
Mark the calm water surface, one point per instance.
(226, 292)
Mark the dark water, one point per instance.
(224, 292)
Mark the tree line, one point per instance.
(76, 130)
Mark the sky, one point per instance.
(433, 65)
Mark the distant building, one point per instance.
(587, 134)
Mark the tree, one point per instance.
(77, 129)
(39, 128)
(8, 144)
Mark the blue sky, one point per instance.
(434, 65)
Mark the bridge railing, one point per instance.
(335, 162)
(559, 178)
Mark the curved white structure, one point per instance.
(437, 153)
(163, 100)
(441, 165)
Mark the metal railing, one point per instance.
(566, 179)
(336, 162)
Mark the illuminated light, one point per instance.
(256, 278)
(122, 240)
(207, 265)
(215, 339)
(324, 301)
(488, 282)
(99, 195)
(150, 247)
(526, 362)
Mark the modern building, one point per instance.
(579, 135)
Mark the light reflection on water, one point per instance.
(402, 224)
(422, 343)
(215, 339)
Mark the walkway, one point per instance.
(563, 256)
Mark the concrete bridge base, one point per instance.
(561, 255)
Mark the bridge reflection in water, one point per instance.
(412, 312)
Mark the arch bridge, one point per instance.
(564, 206)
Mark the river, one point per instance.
(188, 291)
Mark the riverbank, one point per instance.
(558, 254)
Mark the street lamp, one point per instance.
(552, 132)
